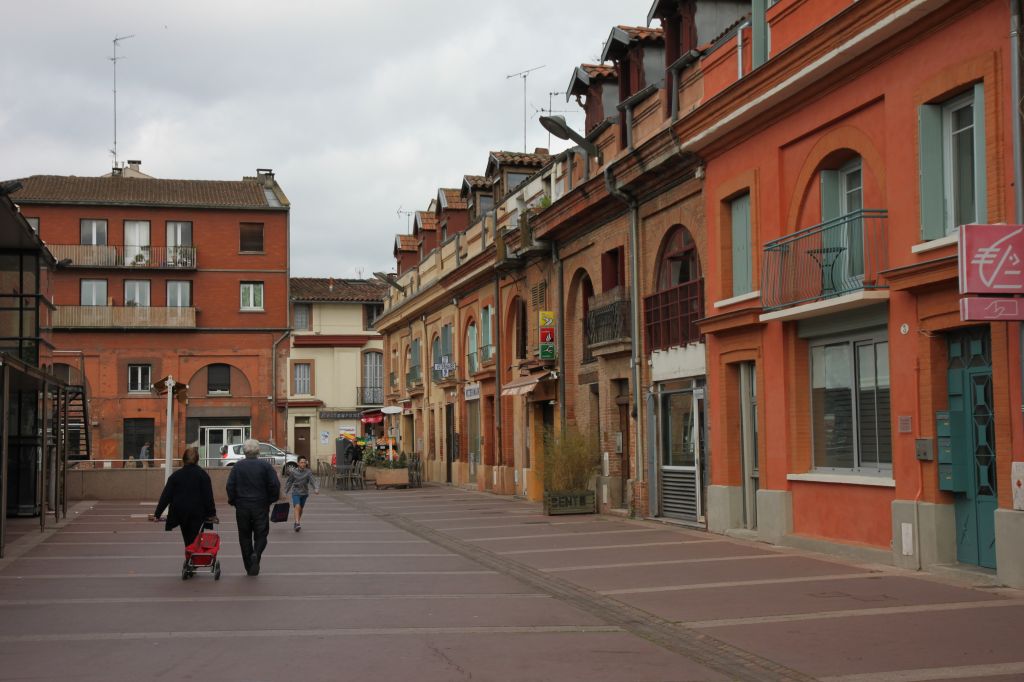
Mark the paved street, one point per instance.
(440, 584)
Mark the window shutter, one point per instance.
(980, 183)
(831, 200)
(932, 186)
(742, 271)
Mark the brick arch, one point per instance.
(238, 378)
(508, 335)
(835, 141)
(654, 283)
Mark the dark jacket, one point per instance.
(190, 495)
(253, 482)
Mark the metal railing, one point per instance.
(393, 379)
(472, 363)
(110, 317)
(126, 256)
(608, 323)
(486, 353)
(369, 395)
(670, 316)
(837, 257)
(413, 376)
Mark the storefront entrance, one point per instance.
(211, 438)
(682, 479)
(473, 437)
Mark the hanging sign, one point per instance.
(471, 391)
(445, 367)
(993, 308)
(546, 335)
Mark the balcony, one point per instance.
(472, 363)
(369, 395)
(608, 325)
(487, 354)
(670, 316)
(122, 317)
(151, 257)
(413, 377)
(839, 257)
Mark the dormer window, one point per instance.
(515, 179)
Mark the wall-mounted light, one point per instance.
(557, 126)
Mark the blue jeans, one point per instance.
(299, 500)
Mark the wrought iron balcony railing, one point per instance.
(472, 363)
(486, 353)
(115, 317)
(608, 323)
(369, 395)
(837, 257)
(670, 316)
(413, 377)
(110, 256)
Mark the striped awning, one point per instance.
(524, 385)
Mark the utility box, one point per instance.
(923, 449)
(952, 468)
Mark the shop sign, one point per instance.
(991, 308)
(546, 335)
(445, 367)
(471, 391)
(339, 414)
(991, 259)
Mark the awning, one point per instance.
(524, 385)
(372, 418)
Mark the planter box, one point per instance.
(570, 502)
(386, 478)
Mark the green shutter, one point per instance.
(980, 183)
(933, 204)
(758, 33)
(742, 270)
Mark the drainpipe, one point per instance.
(1018, 167)
(557, 261)
(739, 49)
(499, 455)
(273, 382)
(634, 263)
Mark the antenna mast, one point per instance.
(114, 59)
(523, 75)
(408, 218)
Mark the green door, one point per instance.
(972, 431)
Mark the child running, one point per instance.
(298, 484)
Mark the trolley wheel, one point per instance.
(216, 570)
(184, 573)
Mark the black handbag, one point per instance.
(279, 513)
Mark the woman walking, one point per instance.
(189, 494)
(298, 485)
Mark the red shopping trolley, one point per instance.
(202, 553)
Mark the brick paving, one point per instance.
(445, 584)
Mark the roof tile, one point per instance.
(453, 197)
(337, 289)
(247, 193)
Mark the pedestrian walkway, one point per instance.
(444, 584)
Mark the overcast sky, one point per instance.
(360, 107)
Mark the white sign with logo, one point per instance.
(346, 429)
(325, 437)
(471, 391)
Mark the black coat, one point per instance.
(190, 495)
(253, 483)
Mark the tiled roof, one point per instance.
(476, 182)
(453, 199)
(71, 189)
(426, 220)
(332, 289)
(406, 242)
(520, 158)
(600, 70)
(644, 33)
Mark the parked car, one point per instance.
(230, 454)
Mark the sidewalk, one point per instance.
(445, 584)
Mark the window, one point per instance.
(487, 333)
(179, 294)
(136, 242)
(472, 361)
(218, 379)
(952, 163)
(613, 268)
(671, 314)
(94, 232)
(250, 237)
(521, 330)
(302, 373)
(371, 311)
(485, 202)
(850, 416)
(742, 260)
(302, 318)
(435, 358)
(372, 391)
(94, 292)
(139, 378)
(136, 292)
(33, 223)
(842, 238)
(252, 295)
(515, 179)
(179, 243)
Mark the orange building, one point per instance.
(180, 278)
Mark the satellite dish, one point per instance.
(391, 409)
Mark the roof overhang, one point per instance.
(616, 45)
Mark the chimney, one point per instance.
(330, 284)
(116, 171)
(541, 151)
(134, 164)
(266, 175)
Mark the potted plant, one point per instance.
(570, 462)
(386, 469)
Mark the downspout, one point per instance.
(1018, 165)
(273, 382)
(499, 451)
(557, 261)
(634, 293)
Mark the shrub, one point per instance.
(570, 459)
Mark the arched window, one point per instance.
(586, 293)
(472, 362)
(671, 315)
(435, 359)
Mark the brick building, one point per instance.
(187, 278)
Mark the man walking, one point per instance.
(252, 487)
(145, 455)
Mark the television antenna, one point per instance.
(549, 111)
(408, 218)
(117, 39)
(524, 75)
